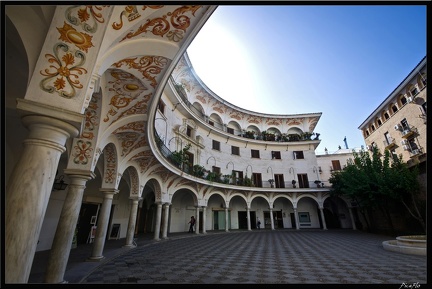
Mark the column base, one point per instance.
(95, 259)
(130, 246)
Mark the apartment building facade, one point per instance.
(399, 123)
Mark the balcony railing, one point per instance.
(262, 136)
(228, 179)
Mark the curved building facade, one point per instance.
(110, 133)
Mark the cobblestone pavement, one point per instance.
(280, 256)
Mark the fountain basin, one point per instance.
(412, 245)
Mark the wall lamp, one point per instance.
(59, 184)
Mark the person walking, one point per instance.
(192, 224)
(258, 223)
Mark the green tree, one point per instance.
(373, 181)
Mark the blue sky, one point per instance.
(341, 60)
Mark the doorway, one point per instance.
(242, 219)
(293, 222)
(84, 223)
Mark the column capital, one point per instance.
(109, 191)
(27, 108)
(86, 174)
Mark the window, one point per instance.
(255, 154)
(386, 116)
(424, 106)
(279, 181)
(216, 169)
(379, 122)
(230, 130)
(394, 108)
(237, 177)
(373, 127)
(161, 106)
(216, 145)
(189, 131)
(303, 180)
(413, 145)
(336, 165)
(211, 123)
(256, 180)
(276, 155)
(414, 91)
(404, 124)
(298, 155)
(235, 150)
(388, 138)
(304, 217)
(403, 100)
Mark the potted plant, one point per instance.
(226, 179)
(271, 181)
(293, 182)
(198, 171)
(180, 158)
(317, 182)
(248, 182)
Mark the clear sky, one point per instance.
(341, 60)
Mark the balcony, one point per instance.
(408, 131)
(415, 152)
(389, 143)
(261, 136)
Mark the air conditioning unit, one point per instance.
(405, 132)
(404, 142)
(398, 127)
(415, 152)
(406, 147)
(409, 99)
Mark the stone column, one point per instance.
(271, 219)
(296, 219)
(165, 221)
(197, 221)
(226, 220)
(102, 224)
(62, 243)
(248, 219)
(352, 218)
(28, 191)
(130, 234)
(322, 218)
(158, 222)
(204, 208)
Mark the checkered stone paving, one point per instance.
(267, 257)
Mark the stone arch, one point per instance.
(110, 176)
(235, 126)
(184, 202)
(131, 176)
(198, 108)
(308, 212)
(336, 213)
(216, 120)
(393, 108)
(216, 203)
(254, 129)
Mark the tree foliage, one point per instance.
(373, 181)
